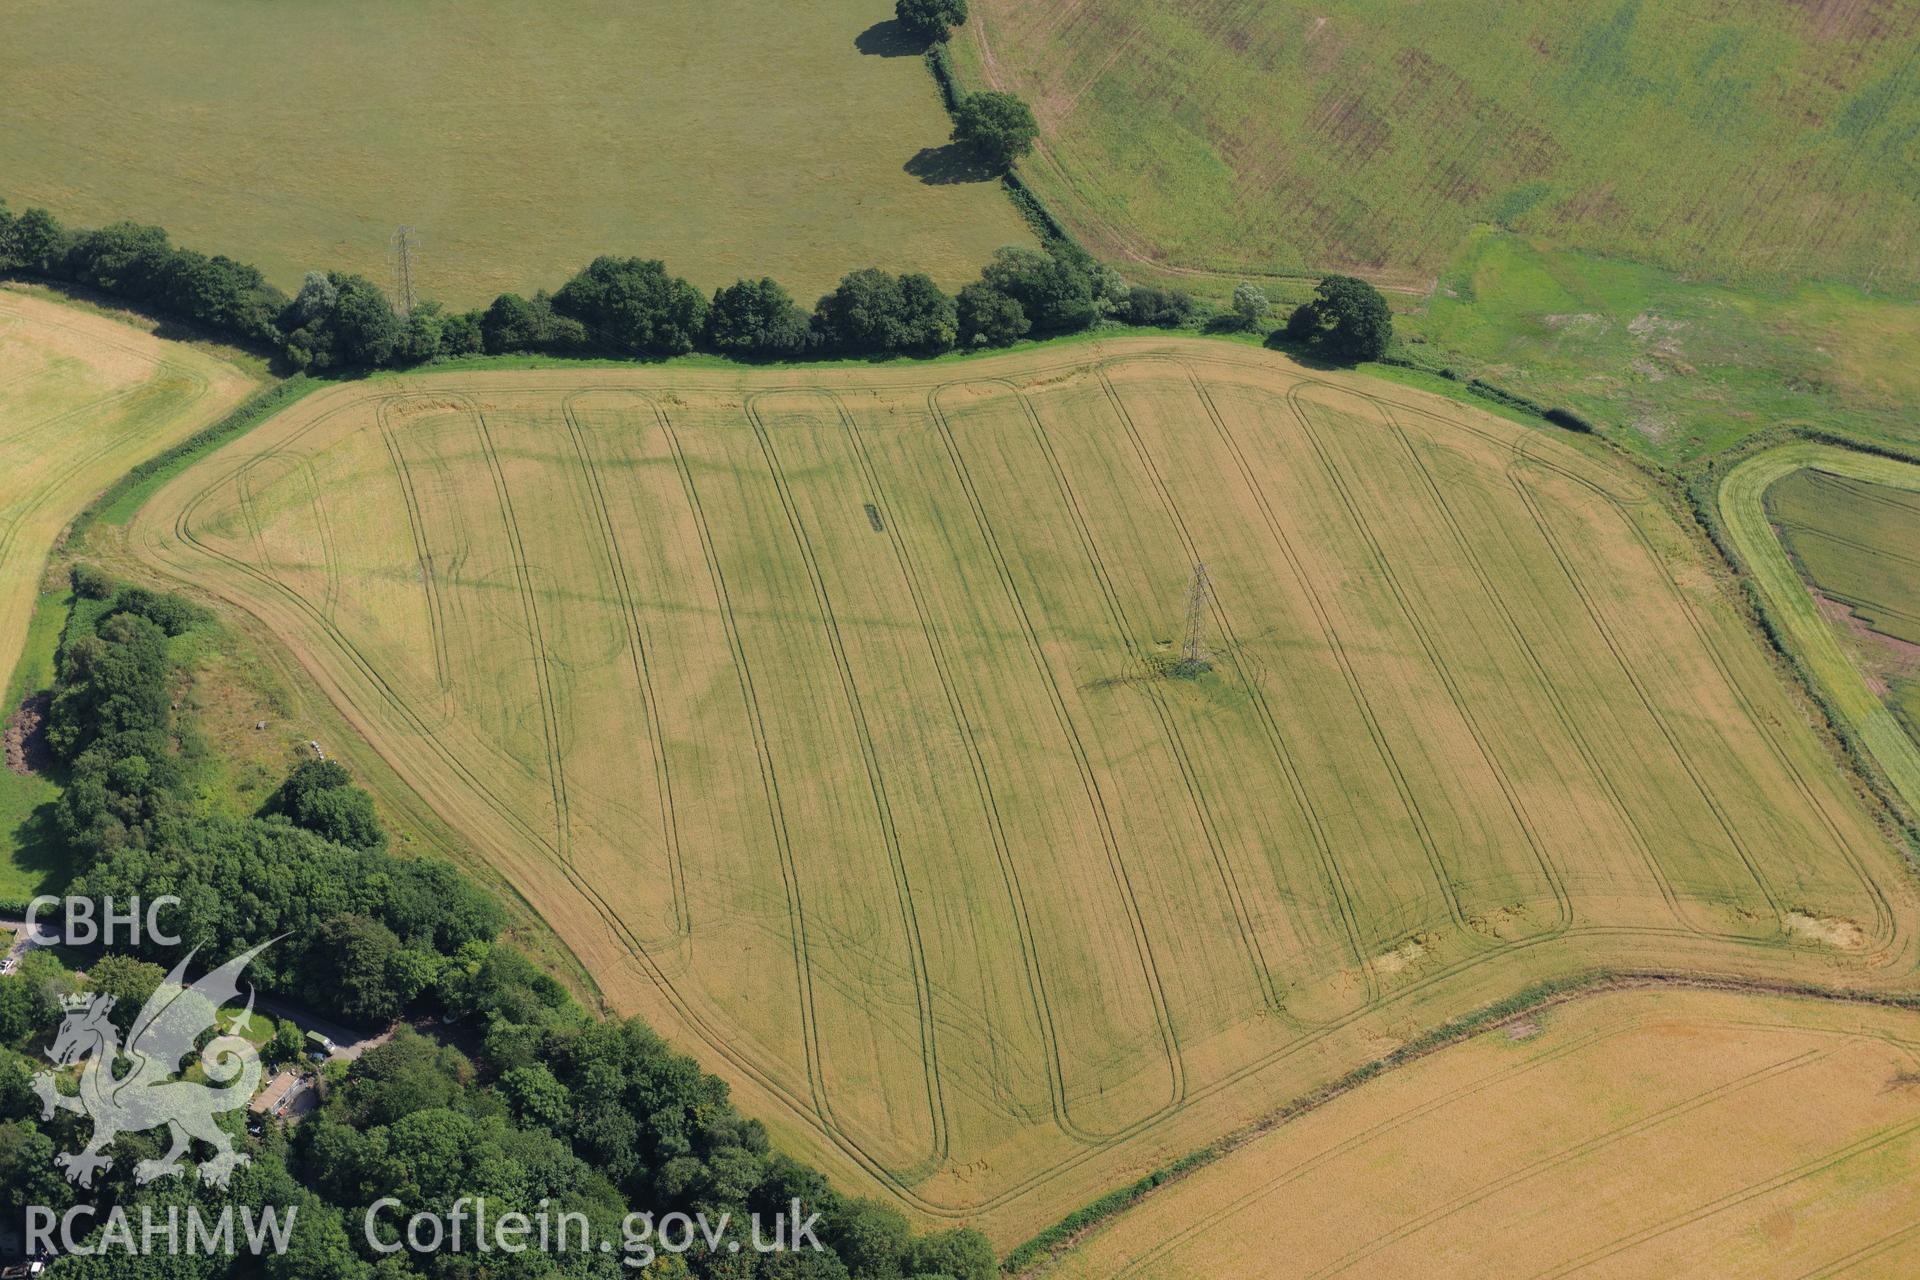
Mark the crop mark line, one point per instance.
(323, 523)
(1169, 729)
(1337, 647)
(1367, 1133)
(1885, 926)
(769, 779)
(1753, 1191)
(536, 637)
(489, 797)
(422, 551)
(1409, 802)
(1435, 661)
(1268, 721)
(1143, 946)
(1646, 702)
(1546, 684)
(699, 1025)
(1569, 1154)
(48, 489)
(1343, 892)
(1865, 1253)
(1521, 450)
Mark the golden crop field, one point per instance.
(1646, 1133)
(82, 398)
(830, 717)
(729, 137)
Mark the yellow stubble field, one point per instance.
(1642, 1133)
(82, 398)
(829, 717)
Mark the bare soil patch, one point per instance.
(26, 736)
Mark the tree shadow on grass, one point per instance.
(941, 166)
(1305, 353)
(38, 848)
(889, 39)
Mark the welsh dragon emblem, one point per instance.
(136, 1088)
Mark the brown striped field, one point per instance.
(1673, 1134)
(827, 716)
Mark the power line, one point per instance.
(403, 246)
(1193, 648)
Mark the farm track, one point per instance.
(425, 733)
(983, 783)
(1082, 1148)
(1384, 567)
(1882, 935)
(1268, 721)
(638, 647)
(423, 554)
(1546, 686)
(1356, 688)
(1169, 731)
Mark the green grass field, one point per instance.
(1770, 141)
(824, 714)
(733, 138)
(1673, 368)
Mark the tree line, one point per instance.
(541, 1105)
(626, 307)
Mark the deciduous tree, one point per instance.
(998, 125)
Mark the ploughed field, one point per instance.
(1772, 140)
(82, 399)
(730, 137)
(830, 717)
(1673, 1134)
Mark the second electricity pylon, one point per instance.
(403, 247)
(1193, 646)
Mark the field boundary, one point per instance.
(123, 497)
(1031, 1257)
(1741, 507)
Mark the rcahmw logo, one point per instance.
(135, 1087)
(151, 1232)
(147, 1094)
